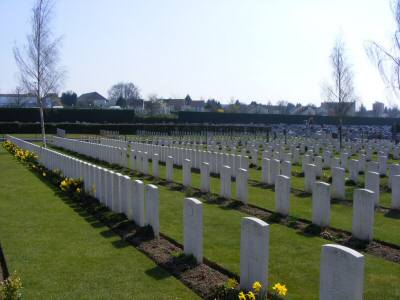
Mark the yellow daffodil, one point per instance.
(231, 283)
(251, 296)
(257, 286)
(44, 174)
(280, 289)
(242, 296)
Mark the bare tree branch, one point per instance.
(38, 59)
(388, 61)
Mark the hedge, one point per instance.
(242, 118)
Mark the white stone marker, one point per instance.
(126, 194)
(138, 203)
(321, 204)
(225, 182)
(341, 273)
(372, 183)
(274, 170)
(115, 192)
(110, 188)
(354, 170)
(104, 186)
(394, 169)
(309, 177)
(282, 194)
(254, 252)
(265, 170)
(382, 165)
(318, 165)
(170, 168)
(242, 185)
(286, 168)
(145, 163)
(205, 177)
(193, 228)
(187, 173)
(152, 209)
(154, 163)
(338, 187)
(363, 214)
(335, 162)
(395, 192)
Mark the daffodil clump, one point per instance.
(11, 288)
(20, 154)
(10, 147)
(279, 290)
(25, 155)
(230, 290)
(70, 185)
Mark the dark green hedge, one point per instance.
(240, 118)
(67, 115)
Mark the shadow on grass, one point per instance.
(99, 216)
(157, 273)
(393, 214)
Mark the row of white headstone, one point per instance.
(139, 202)
(116, 192)
(364, 199)
(341, 269)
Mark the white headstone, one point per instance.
(138, 203)
(282, 194)
(395, 192)
(193, 228)
(254, 252)
(372, 183)
(363, 214)
(152, 209)
(225, 182)
(338, 187)
(341, 273)
(242, 185)
(170, 168)
(321, 204)
(187, 173)
(205, 177)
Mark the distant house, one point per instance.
(186, 104)
(333, 108)
(28, 100)
(304, 110)
(92, 99)
(137, 104)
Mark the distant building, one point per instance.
(92, 99)
(186, 104)
(304, 110)
(28, 100)
(336, 108)
(378, 109)
(137, 104)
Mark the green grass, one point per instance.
(385, 227)
(294, 258)
(63, 253)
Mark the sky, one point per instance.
(251, 50)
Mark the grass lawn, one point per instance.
(294, 258)
(62, 254)
(385, 227)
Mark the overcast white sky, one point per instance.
(263, 50)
